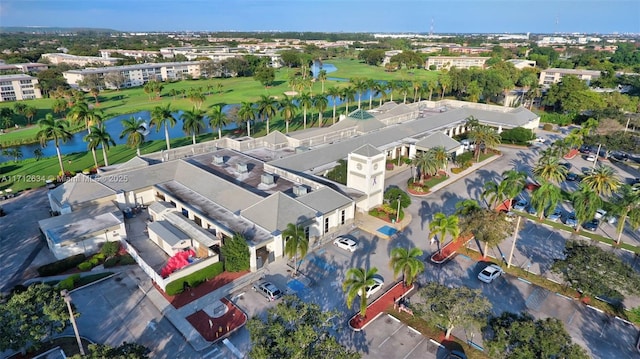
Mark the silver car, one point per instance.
(268, 290)
(490, 273)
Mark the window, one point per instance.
(326, 225)
(306, 232)
(343, 215)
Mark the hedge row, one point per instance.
(194, 279)
(61, 266)
(119, 260)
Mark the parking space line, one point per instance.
(413, 330)
(393, 318)
(414, 348)
(389, 337)
(571, 317)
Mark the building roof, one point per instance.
(97, 70)
(324, 200)
(573, 71)
(367, 151)
(80, 189)
(75, 226)
(438, 139)
(191, 229)
(16, 77)
(276, 211)
(167, 232)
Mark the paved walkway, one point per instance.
(378, 306)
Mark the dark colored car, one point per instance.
(566, 165)
(571, 176)
(592, 225)
(585, 149)
(456, 354)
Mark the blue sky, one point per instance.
(498, 16)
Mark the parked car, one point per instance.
(539, 139)
(571, 220)
(600, 213)
(490, 273)
(566, 165)
(268, 290)
(456, 354)
(520, 205)
(571, 176)
(378, 283)
(345, 243)
(532, 211)
(584, 149)
(586, 170)
(592, 225)
(555, 215)
(591, 158)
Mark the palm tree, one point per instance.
(405, 87)
(427, 164)
(134, 130)
(443, 225)
(602, 180)
(627, 205)
(585, 202)
(322, 77)
(467, 207)
(549, 169)
(408, 262)
(495, 192)
(491, 138)
(163, 117)
(288, 110)
(514, 182)
(81, 113)
(441, 157)
(100, 137)
(193, 123)
(320, 103)
(335, 94)
(296, 242)
(348, 94)
(445, 81)
(373, 87)
(56, 129)
(356, 283)
(247, 113)
(574, 138)
(305, 101)
(360, 86)
(267, 107)
(416, 85)
(218, 119)
(391, 86)
(431, 85)
(38, 154)
(381, 90)
(547, 196)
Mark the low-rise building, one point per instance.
(19, 87)
(60, 58)
(459, 62)
(23, 68)
(555, 75)
(521, 64)
(137, 54)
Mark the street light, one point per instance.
(398, 213)
(67, 298)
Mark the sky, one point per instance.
(447, 16)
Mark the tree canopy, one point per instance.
(124, 351)
(235, 252)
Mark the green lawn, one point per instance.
(350, 68)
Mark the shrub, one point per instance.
(99, 256)
(235, 252)
(85, 266)
(69, 283)
(547, 127)
(61, 266)
(557, 118)
(94, 261)
(194, 279)
(464, 160)
(111, 262)
(109, 249)
(126, 260)
(518, 135)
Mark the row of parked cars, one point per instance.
(568, 218)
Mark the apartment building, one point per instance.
(554, 75)
(60, 58)
(18, 87)
(219, 53)
(23, 68)
(137, 54)
(460, 62)
(137, 75)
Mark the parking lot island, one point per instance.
(378, 306)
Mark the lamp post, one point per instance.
(398, 213)
(597, 155)
(67, 298)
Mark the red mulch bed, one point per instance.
(572, 154)
(504, 206)
(203, 289)
(450, 248)
(531, 186)
(379, 306)
(213, 329)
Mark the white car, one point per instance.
(600, 213)
(591, 158)
(490, 273)
(345, 243)
(377, 285)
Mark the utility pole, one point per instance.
(67, 298)
(513, 244)
(597, 155)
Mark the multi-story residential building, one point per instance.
(137, 75)
(219, 53)
(521, 64)
(60, 58)
(138, 54)
(460, 62)
(19, 87)
(554, 75)
(24, 68)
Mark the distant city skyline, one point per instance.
(396, 16)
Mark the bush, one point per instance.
(235, 252)
(111, 262)
(109, 249)
(99, 256)
(547, 127)
(61, 266)
(94, 261)
(557, 118)
(194, 279)
(69, 283)
(518, 136)
(126, 260)
(85, 266)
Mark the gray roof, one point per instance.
(72, 227)
(140, 177)
(167, 232)
(275, 138)
(367, 151)
(438, 139)
(159, 206)
(324, 200)
(191, 229)
(276, 211)
(80, 189)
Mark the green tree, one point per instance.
(56, 129)
(295, 329)
(296, 243)
(467, 207)
(218, 119)
(512, 336)
(247, 113)
(322, 77)
(444, 80)
(124, 351)
(348, 94)
(452, 307)
(335, 94)
(585, 203)
(442, 225)
(427, 164)
(602, 180)
(549, 169)
(235, 253)
(408, 262)
(515, 181)
(320, 103)
(495, 193)
(267, 108)
(133, 129)
(356, 283)
(305, 101)
(99, 136)
(547, 196)
(487, 226)
(193, 123)
(288, 110)
(360, 86)
(265, 75)
(626, 204)
(163, 117)
(38, 154)
(29, 113)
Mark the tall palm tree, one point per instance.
(405, 87)
(247, 113)
(602, 180)
(408, 262)
(416, 85)
(218, 119)
(288, 110)
(360, 86)
(441, 157)
(491, 138)
(442, 224)
(81, 113)
(373, 87)
(494, 192)
(381, 90)
(322, 77)
(55, 129)
(391, 86)
(348, 94)
(627, 205)
(467, 207)
(585, 202)
(547, 196)
(431, 85)
(574, 138)
(296, 242)
(335, 94)
(134, 130)
(320, 103)
(549, 169)
(514, 182)
(427, 164)
(305, 101)
(356, 283)
(444, 80)
(193, 123)
(267, 107)
(163, 117)
(99, 136)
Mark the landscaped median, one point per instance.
(379, 306)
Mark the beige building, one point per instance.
(24, 68)
(459, 62)
(552, 76)
(521, 64)
(19, 87)
(60, 58)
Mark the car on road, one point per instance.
(490, 273)
(520, 205)
(555, 215)
(592, 225)
(571, 220)
(345, 243)
(268, 290)
(539, 139)
(572, 176)
(591, 158)
(377, 285)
